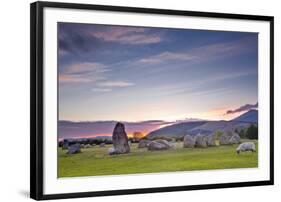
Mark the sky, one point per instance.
(136, 74)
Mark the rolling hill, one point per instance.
(175, 130)
(206, 127)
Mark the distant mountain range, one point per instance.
(206, 127)
(91, 129)
(154, 128)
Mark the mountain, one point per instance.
(193, 128)
(250, 117)
(206, 127)
(155, 128)
(175, 130)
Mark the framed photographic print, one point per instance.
(136, 100)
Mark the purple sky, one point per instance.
(137, 74)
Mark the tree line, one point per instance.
(248, 133)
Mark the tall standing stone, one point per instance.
(188, 141)
(65, 144)
(235, 139)
(120, 139)
(74, 149)
(143, 143)
(211, 140)
(224, 139)
(200, 141)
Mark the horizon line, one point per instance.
(155, 120)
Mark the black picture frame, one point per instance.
(36, 99)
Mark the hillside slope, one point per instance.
(176, 130)
(250, 117)
(206, 127)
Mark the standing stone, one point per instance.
(74, 149)
(188, 141)
(235, 139)
(143, 143)
(120, 139)
(88, 146)
(102, 144)
(165, 142)
(200, 141)
(65, 144)
(156, 145)
(224, 139)
(211, 140)
(111, 151)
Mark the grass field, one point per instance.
(96, 161)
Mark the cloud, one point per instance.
(72, 79)
(207, 85)
(92, 73)
(84, 39)
(115, 84)
(86, 68)
(167, 56)
(243, 108)
(222, 77)
(203, 53)
(82, 73)
(215, 91)
(101, 89)
(73, 39)
(127, 35)
(224, 49)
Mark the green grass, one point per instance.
(96, 161)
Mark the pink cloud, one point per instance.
(115, 84)
(83, 73)
(94, 73)
(165, 56)
(126, 35)
(85, 67)
(72, 79)
(101, 89)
